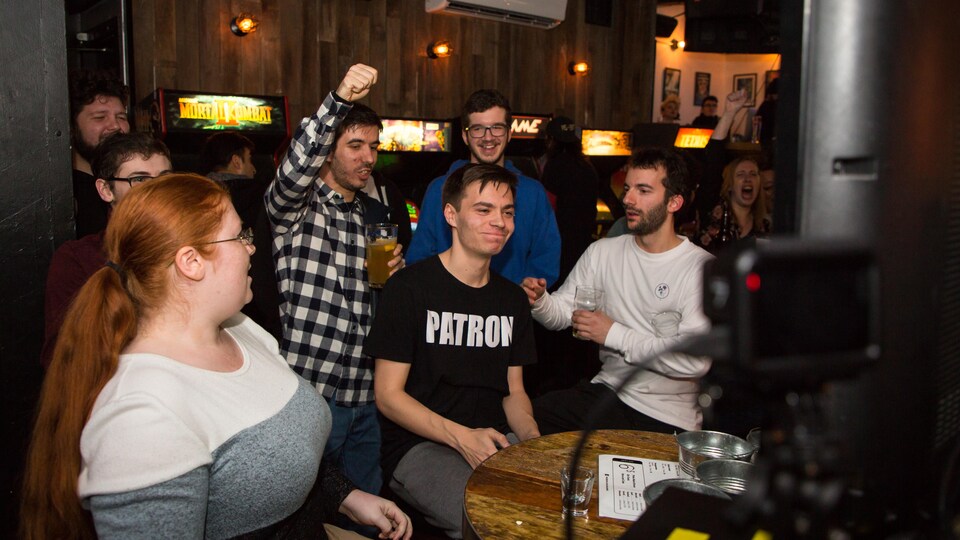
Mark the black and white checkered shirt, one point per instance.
(319, 249)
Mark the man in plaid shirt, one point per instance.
(317, 210)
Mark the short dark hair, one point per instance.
(677, 179)
(85, 86)
(456, 184)
(359, 116)
(117, 149)
(220, 148)
(484, 100)
(709, 98)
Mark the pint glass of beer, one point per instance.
(381, 241)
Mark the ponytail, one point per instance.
(100, 322)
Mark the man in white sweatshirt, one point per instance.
(652, 283)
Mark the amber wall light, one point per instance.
(439, 49)
(243, 24)
(578, 68)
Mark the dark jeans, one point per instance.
(567, 410)
(354, 445)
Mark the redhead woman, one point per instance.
(168, 413)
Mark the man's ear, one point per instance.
(675, 203)
(190, 263)
(103, 188)
(236, 164)
(450, 214)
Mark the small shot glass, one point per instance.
(576, 489)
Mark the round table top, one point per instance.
(516, 492)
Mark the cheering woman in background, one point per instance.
(167, 412)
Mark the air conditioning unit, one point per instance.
(537, 13)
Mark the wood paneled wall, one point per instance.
(302, 48)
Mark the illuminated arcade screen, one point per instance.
(190, 111)
(415, 136)
(606, 143)
(692, 137)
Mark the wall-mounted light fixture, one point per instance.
(243, 24)
(578, 68)
(439, 49)
(674, 44)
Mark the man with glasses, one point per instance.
(534, 248)
(708, 114)
(121, 163)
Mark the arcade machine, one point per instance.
(608, 151)
(528, 142)
(184, 120)
(412, 153)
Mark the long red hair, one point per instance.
(145, 231)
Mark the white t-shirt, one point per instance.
(639, 289)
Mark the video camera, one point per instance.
(795, 311)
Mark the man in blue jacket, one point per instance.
(535, 244)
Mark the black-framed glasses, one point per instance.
(245, 237)
(133, 180)
(478, 131)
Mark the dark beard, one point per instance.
(86, 151)
(650, 222)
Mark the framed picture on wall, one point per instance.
(747, 83)
(701, 88)
(671, 83)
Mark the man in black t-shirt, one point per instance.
(451, 339)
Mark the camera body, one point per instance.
(798, 312)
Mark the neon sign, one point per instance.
(692, 137)
(225, 112)
(527, 126)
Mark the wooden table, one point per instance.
(516, 492)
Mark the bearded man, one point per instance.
(652, 283)
(98, 109)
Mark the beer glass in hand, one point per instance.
(381, 242)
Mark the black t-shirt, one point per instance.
(459, 340)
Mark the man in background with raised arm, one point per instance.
(318, 210)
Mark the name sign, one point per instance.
(525, 126)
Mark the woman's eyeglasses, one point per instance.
(245, 237)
